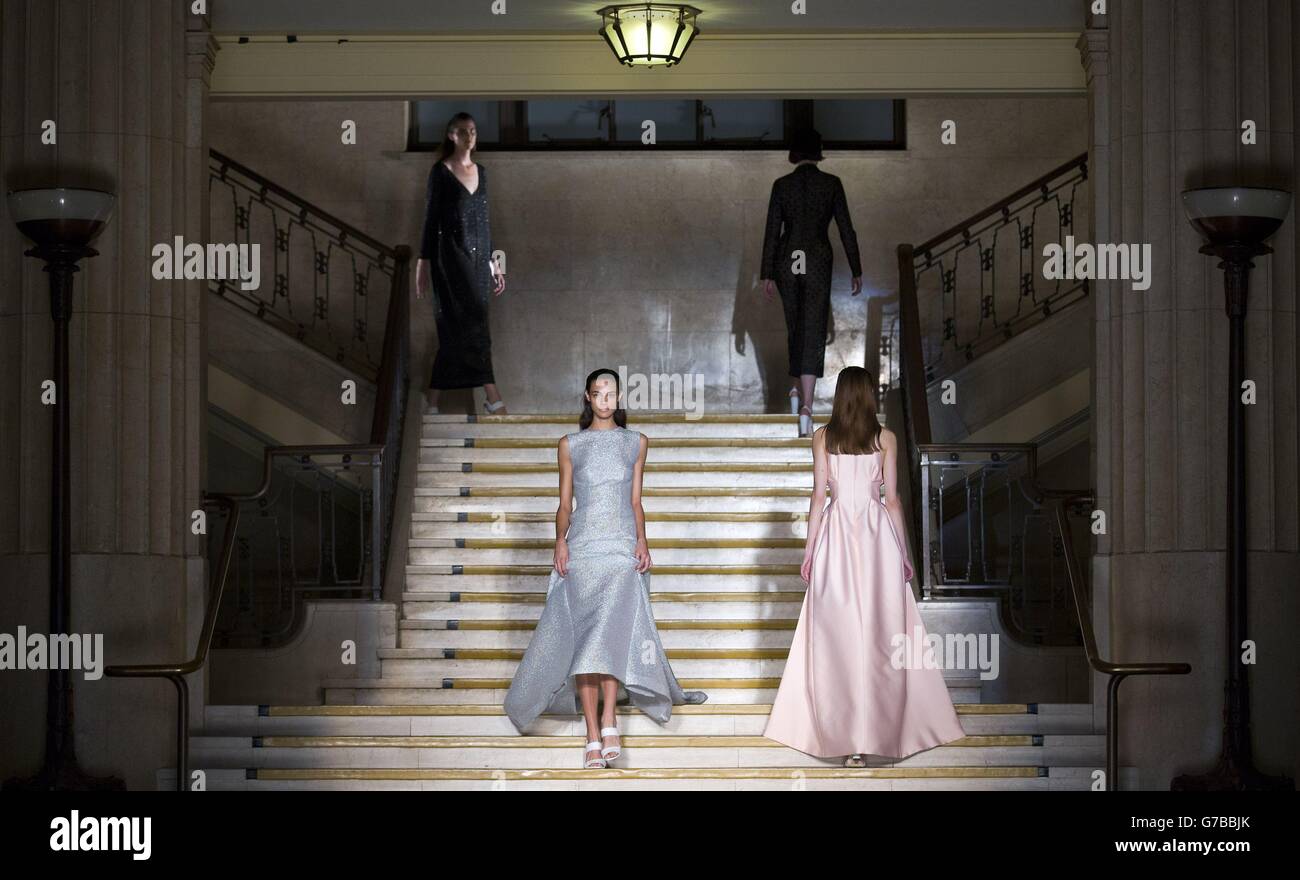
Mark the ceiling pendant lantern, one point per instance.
(648, 34)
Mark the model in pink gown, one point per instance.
(839, 694)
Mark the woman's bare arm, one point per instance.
(642, 546)
(566, 491)
(893, 504)
(820, 470)
(565, 509)
(637, 471)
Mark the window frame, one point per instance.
(798, 113)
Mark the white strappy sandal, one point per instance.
(493, 407)
(794, 401)
(805, 422)
(609, 753)
(594, 763)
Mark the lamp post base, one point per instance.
(1232, 775)
(63, 774)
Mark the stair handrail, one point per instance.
(176, 671)
(1059, 500)
(915, 402)
(303, 213)
(386, 441)
(392, 375)
(389, 421)
(1036, 184)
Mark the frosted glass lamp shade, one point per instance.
(62, 216)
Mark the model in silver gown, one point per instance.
(597, 617)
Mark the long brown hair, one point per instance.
(587, 417)
(448, 146)
(854, 428)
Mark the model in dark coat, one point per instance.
(802, 205)
(798, 215)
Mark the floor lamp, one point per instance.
(1235, 222)
(62, 222)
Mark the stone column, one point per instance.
(1170, 86)
(126, 84)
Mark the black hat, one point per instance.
(806, 144)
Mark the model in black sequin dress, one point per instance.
(457, 242)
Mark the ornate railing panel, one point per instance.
(322, 524)
(981, 282)
(322, 281)
(984, 532)
(314, 531)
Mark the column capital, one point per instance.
(200, 47)
(1094, 52)
(200, 55)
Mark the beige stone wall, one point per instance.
(1170, 89)
(651, 260)
(126, 83)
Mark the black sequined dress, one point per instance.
(457, 241)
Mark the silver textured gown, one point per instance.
(597, 617)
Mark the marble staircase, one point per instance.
(726, 499)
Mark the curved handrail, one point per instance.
(915, 413)
(1058, 500)
(175, 672)
(385, 436)
(1079, 161)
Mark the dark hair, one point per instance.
(854, 427)
(448, 146)
(806, 143)
(587, 417)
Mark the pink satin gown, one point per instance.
(839, 694)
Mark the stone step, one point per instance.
(657, 474)
(653, 481)
(433, 663)
(422, 579)
(460, 634)
(666, 606)
(490, 720)
(639, 752)
(663, 551)
(654, 425)
(691, 779)
(545, 450)
(460, 691)
(540, 526)
(698, 546)
(503, 500)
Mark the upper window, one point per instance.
(725, 124)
